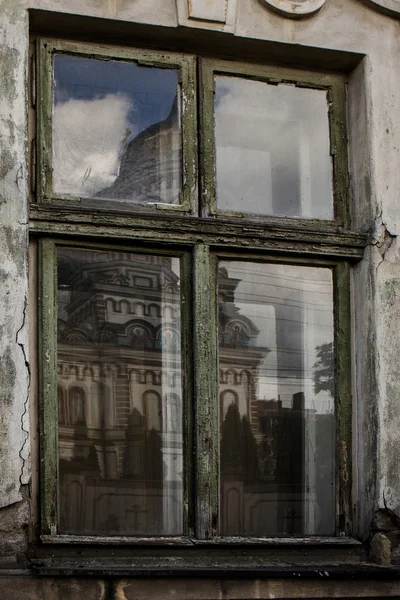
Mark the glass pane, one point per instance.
(272, 149)
(276, 394)
(119, 394)
(116, 131)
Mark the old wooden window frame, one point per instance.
(185, 64)
(201, 240)
(331, 83)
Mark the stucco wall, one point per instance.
(370, 29)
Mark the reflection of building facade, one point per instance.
(150, 168)
(276, 459)
(119, 394)
(120, 408)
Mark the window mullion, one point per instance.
(205, 382)
(48, 386)
(207, 138)
(343, 395)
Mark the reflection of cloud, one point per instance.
(88, 137)
(272, 149)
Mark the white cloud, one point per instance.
(88, 136)
(272, 140)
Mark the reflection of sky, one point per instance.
(272, 148)
(99, 106)
(151, 91)
(305, 322)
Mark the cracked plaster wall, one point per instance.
(14, 374)
(374, 116)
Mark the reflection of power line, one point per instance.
(270, 272)
(301, 322)
(274, 319)
(302, 373)
(266, 273)
(247, 298)
(300, 288)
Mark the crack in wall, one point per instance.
(25, 410)
(382, 238)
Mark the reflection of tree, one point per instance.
(143, 458)
(238, 447)
(324, 369)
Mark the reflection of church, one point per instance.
(275, 457)
(119, 394)
(261, 473)
(120, 407)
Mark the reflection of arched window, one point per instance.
(152, 410)
(76, 404)
(62, 417)
(173, 404)
(101, 410)
(170, 340)
(226, 399)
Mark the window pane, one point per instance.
(272, 149)
(116, 131)
(276, 394)
(119, 394)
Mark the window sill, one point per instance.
(215, 567)
(186, 541)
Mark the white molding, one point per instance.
(389, 7)
(208, 14)
(298, 9)
(208, 10)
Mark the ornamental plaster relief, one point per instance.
(221, 14)
(297, 9)
(389, 7)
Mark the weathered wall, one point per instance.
(370, 28)
(14, 366)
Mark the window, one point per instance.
(195, 249)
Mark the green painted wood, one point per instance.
(198, 241)
(186, 64)
(333, 83)
(206, 393)
(342, 317)
(47, 342)
(187, 391)
(281, 236)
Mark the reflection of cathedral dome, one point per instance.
(108, 298)
(235, 330)
(150, 169)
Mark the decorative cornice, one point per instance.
(299, 9)
(388, 7)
